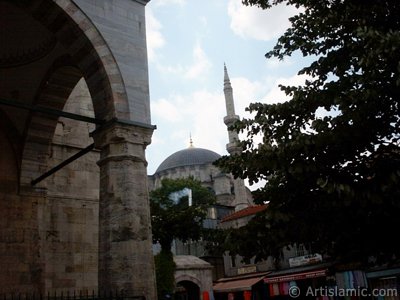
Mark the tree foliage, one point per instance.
(177, 220)
(165, 270)
(332, 178)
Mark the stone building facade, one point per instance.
(193, 277)
(74, 83)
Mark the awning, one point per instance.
(383, 273)
(236, 285)
(296, 276)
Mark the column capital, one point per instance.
(116, 132)
(119, 141)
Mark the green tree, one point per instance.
(175, 219)
(165, 269)
(332, 179)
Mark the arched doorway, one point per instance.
(193, 277)
(187, 290)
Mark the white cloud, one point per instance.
(166, 110)
(155, 39)
(276, 63)
(203, 21)
(168, 2)
(201, 63)
(276, 95)
(253, 22)
(199, 113)
(208, 111)
(246, 92)
(171, 70)
(197, 69)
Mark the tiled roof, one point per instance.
(248, 211)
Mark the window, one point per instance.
(233, 261)
(300, 250)
(212, 213)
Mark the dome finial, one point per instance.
(191, 141)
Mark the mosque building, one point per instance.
(232, 195)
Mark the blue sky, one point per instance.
(188, 42)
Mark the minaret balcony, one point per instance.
(233, 148)
(230, 120)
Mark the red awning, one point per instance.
(236, 285)
(296, 276)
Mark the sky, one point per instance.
(188, 43)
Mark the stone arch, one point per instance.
(187, 289)
(186, 277)
(194, 270)
(86, 55)
(56, 87)
(88, 51)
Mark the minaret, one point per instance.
(232, 147)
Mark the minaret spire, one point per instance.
(228, 91)
(232, 147)
(231, 117)
(226, 76)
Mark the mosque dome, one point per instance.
(188, 157)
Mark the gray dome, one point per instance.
(188, 157)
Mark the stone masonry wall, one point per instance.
(20, 260)
(69, 216)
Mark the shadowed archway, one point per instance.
(187, 290)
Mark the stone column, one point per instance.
(125, 245)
